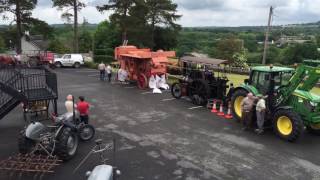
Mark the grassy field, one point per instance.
(237, 79)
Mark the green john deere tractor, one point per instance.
(290, 105)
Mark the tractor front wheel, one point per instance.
(314, 129)
(287, 125)
(236, 100)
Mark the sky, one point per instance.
(207, 12)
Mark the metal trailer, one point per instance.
(141, 64)
(199, 82)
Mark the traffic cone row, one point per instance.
(220, 111)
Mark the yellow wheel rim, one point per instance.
(237, 105)
(315, 126)
(284, 125)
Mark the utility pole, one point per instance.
(266, 42)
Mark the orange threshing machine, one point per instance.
(141, 64)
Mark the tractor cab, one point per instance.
(266, 80)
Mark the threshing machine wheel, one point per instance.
(142, 81)
(176, 90)
(199, 92)
(236, 99)
(287, 124)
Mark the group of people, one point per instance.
(105, 69)
(247, 107)
(81, 106)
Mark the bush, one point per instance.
(91, 65)
(103, 58)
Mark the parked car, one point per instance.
(70, 60)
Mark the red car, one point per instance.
(6, 59)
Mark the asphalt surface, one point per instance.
(159, 137)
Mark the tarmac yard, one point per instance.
(159, 137)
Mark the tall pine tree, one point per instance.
(76, 6)
(120, 16)
(22, 11)
(161, 13)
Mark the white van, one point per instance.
(71, 60)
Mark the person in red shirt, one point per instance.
(83, 108)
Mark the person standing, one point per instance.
(260, 111)
(102, 69)
(109, 72)
(247, 108)
(83, 108)
(69, 104)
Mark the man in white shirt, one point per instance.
(109, 72)
(102, 69)
(260, 111)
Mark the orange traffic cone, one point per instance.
(214, 106)
(221, 113)
(229, 115)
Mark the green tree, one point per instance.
(240, 59)
(298, 52)
(76, 6)
(120, 14)
(22, 11)
(161, 13)
(106, 37)
(85, 42)
(2, 45)
(57, 46)
(226, 48)
(41, 28)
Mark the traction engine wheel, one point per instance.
(176, 90)
(199, 92)
(142, 81)
(236, 100)
(287, 124)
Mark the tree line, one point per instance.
(146, 23)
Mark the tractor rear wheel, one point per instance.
(236, 100)
(287, 124)
(314, 129)
(142, 81)
(176, 90)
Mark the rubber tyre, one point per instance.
(296, 124)
(76, 65)
(58, 64)
(203, 98)
(83, 135)
(236, 99)
(62, 149)
(176, 86)
(33, 62)
(25, 145)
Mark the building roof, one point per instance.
(202, 60)
(38, 41)
(274, 69)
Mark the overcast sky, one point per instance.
(208, 12)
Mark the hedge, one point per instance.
(103, 58)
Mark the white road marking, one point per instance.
(168, 99)
(87, 71)
(130, 87)
(93, 75)
(146, 93)
(195, 107)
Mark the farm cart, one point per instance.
(199, 82)
(141, 64)
(290, 104)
